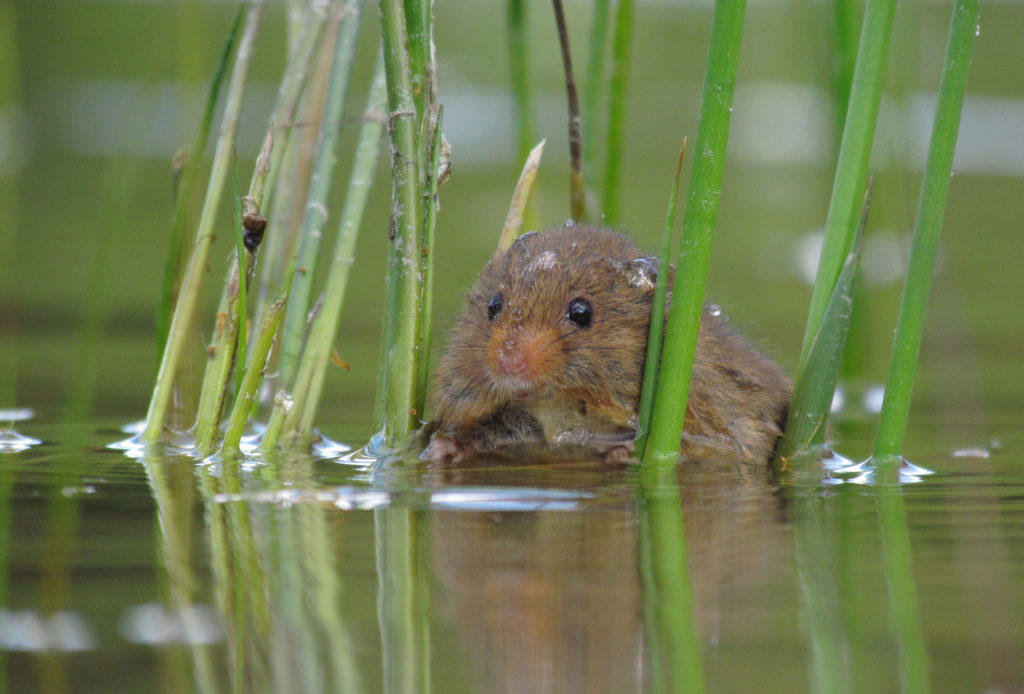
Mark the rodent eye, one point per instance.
(580, 313)
(495, 306)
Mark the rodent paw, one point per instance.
(620, 454)
(443, 448)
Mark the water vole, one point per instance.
(549, 352)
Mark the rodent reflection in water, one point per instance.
(549, 353)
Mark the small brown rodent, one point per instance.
(550, 349)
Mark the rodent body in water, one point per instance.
(550, 350)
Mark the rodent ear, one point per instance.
(642, 273)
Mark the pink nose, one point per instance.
(512, 362)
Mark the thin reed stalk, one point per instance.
(306, 30)
(904, 609)
(818, 583)
(852, 167)
(593, 89)
(316, 355)
(927, 227)
(652, 359)
(622, 48)
(262, 343)
(186, 182)
(185, 308)
(402, 290)
(227, 348)
(297, 69)
(672, 633)
(434, 175)
(577, 191)
(300, 287)
(698, 228)
(520, 71)
(242, 295)
(404, 633)
(816, 383)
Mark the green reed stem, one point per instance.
(852, 167)
(927, 227)
(315, 218)
(262, 343)
(845, 14)
(622, 48)
(905, 613)
(305, 31)
(417, 15)
(215, 386)
(404, 634)
(593, 89)
(434, 174)
(666, 577)
(228, 347)
(185, 308)
(240, 253)
(698, 228)
(652, 360)
(520, 70)
(816, 383)
(816, 575)
(186, 183)
(402, 322)
(316, 355)
(11, 96)
(297, 70)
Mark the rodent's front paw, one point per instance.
(444, 448)
(616, 448)
(621, 454)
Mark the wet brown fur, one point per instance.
(589, 378)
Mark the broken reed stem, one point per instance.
(513, 227)
(196, 267)
(577, 194)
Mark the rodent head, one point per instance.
(562, 312)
